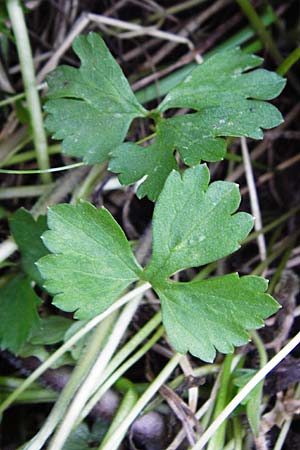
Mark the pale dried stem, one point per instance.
(193, 392)
(254, 200)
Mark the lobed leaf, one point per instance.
(92, 262)
(195, 136)
(90, 108)
(228, 101)
(194, 224)
(204, 316)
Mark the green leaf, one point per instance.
(83, 438)
(228, 103)
(18, 312)
(253, 400)
(253, 408)
(92, 262)
(50, 330)
(91, 108)
(194, 224)
(203, 316)
(224, 80)
(27, 233)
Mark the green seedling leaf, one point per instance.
(27, 235)
(229, 103)
(194, 224)
(18, 312)
(203, 316)
(92, 258)
(92, 262)
(50, 330)
(91, 108)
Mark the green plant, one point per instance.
(91, 108)
(93, 263)
(195, 222)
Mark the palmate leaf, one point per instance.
(18, 312)
(229, 103)
(92, 262)
(195, 136)
(194, 223)
(91, 108)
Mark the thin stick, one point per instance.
(258, 377)
(24, 51)
(43, 171)
(14, 98)
(254, 200)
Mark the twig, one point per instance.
(193, 391)
(195, 23)
(24, 191)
